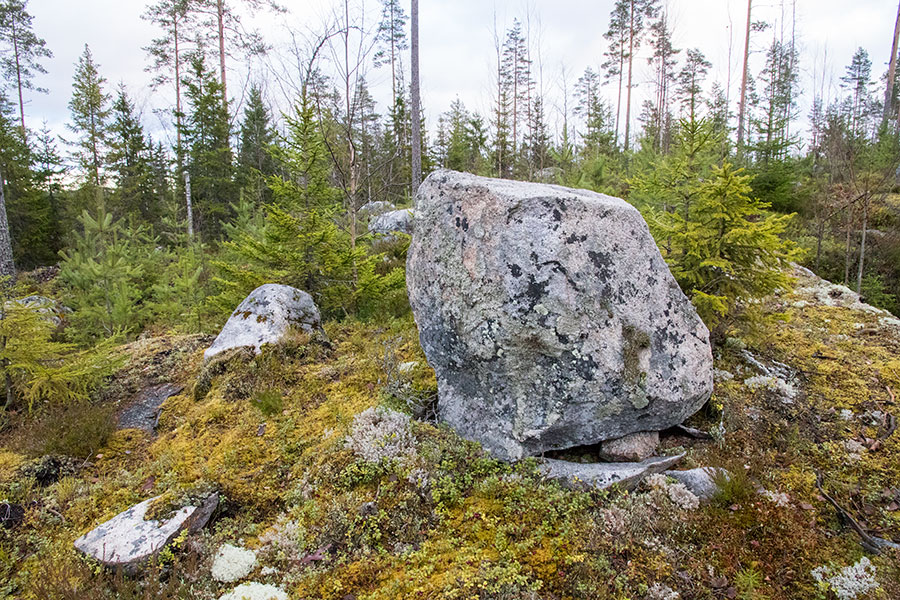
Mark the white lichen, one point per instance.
(778, 498)
(682, 497)
(850, 582)
(232, 563)
(255, 591)
(660, 591)
(381, 434)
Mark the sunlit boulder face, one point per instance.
(549, 316)
(264, 317)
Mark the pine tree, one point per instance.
(663, 62)
(255, 162)
(207, 142)
(598, 135)
(90, 113)
(21, 58)
(614, 66)
(857, 79)
(168, 53)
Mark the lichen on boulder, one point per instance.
(549, 316)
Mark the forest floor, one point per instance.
(810, 388)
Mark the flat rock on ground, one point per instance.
(587, 476)
(143, 411)
(128, 540)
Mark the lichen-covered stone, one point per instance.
(264, 317)
(128, 540)
(701, 481)
(549, 316)
(395, 221)
(633, 447)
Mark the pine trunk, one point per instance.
(630, 73)
(415, 99)
(15, 40)
(892, 71)
(742, 111)
(189, 204)
(220, 10)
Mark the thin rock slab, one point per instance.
(593, 476)
(549, 316)
(264, 317)
(128, 540)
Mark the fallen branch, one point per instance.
(869, 543)
(694, 433)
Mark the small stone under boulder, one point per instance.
(264, 317)
(633, 447)
(549, 316)
(128, 540)
(700, 481)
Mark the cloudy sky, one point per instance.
(457, 46)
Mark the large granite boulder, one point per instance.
(264, 317)
(395, 221)
(549, 316)
(130, 540)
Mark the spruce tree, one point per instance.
(207, 140)
(89, 108)
(255, 162)
(129, 163)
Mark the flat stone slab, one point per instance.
(588, 476)
(128, 539)
(143, 411)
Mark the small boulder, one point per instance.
(588, 476)
(264, 317)
(700, 481)
(549, 316)
(128, 540)
(395, 221)
(633, 447)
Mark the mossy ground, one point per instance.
(453, 523)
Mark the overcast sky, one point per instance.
(457, 45)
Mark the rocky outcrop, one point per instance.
(264, 317)
(128, 540)
(549, 316)
(587, 476)
(395, 221)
